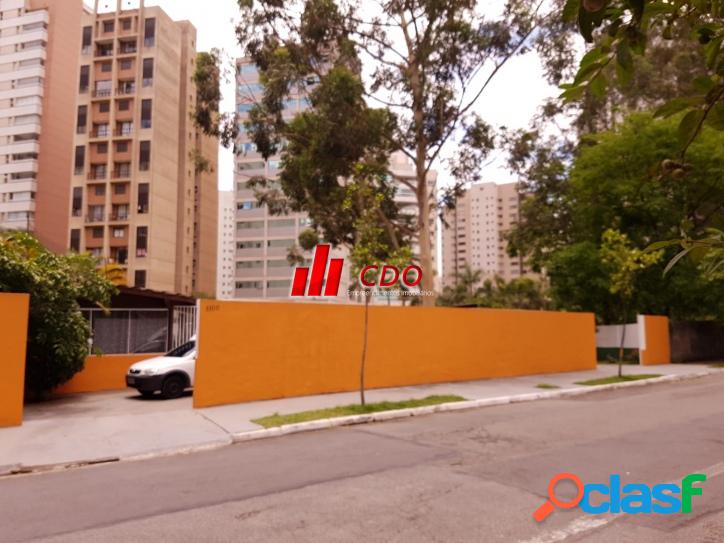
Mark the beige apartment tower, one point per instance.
(138, 197)
(474, 235)
(39, 48)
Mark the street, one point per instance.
(476, 475)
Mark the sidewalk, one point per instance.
(117, 425)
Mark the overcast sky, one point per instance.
(510, 100)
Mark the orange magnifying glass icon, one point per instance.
(547, 508)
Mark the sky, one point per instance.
(511, 99)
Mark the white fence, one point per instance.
(609, 336)
(184, 324)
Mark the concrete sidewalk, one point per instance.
(87, 428)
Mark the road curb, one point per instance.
(322, 424)
(453, 406)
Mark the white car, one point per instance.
(171, 374)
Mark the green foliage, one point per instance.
(623, 180)
(207, 115)
(57, 332)
(624, 263)
(624, 28)
(272, 421)
(470, 290)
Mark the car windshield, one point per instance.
(182, 350)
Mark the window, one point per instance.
(143, 198)
(147, 72)
(284, 223)
(119, 233)
(106, 67)
(98, 232)
(108, 26)
(102, 148)
(119, 188)
(250, 265)
(279, 284)
(75, 240)
(280, 243)
(126, 24)
(87, 39)
(77, 201)
(82, 119)
(242, 285)
(249, 245)
(246, 205)
(122, 147)
(104, 107)
(84, 79)
(100, 190)
(126, 64)
(124, 105)
(250, 225)
(149, 32)
(141, 241)
(144, 156)
(146, 109)
(139, 278)
(79, 159)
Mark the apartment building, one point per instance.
(39, 48)
(140, 196)
(227, 246)
(475, 230)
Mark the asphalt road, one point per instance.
(469, 476)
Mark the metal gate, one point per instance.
(184, 324)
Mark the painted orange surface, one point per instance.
(256, 351)
(13, 338)
(105, 372)
(658, 347)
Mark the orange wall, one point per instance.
(658, 348)
(13, 338)
(257, 351)
(105, 372)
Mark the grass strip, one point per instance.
(276, 419)
(617, 379)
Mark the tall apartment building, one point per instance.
(226, 262)
(39, 47)
(139, 196)
(475, 229)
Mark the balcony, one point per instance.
(124, 131)
(104, 52)
(127, 48)
(95, 217)
(126, 89)
(102, 93)
(97, 174)
(119, 216)
(121, 173)
(100, 133)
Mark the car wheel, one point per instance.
(173, 387)
(147, 393)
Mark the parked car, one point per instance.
(170, 374)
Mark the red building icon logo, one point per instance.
(316, 279)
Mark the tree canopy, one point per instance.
(57, 331)
(622, 179)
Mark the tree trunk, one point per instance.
(623, 341)
(424, 237)
(364, 349)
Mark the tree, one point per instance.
(470, 290)
(620, 179)
(427, 63)
(57, 332)
(624, 28)
(624, 263)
